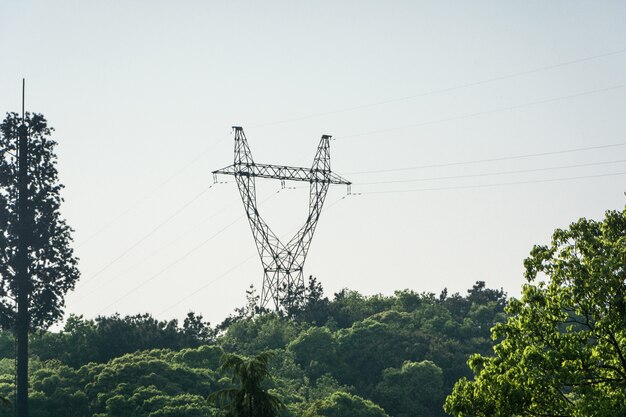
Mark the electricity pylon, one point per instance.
(282, 263)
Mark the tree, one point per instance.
(562, 351)
(369, 347)
(37, 263)
(248, 398)
(195, 328)
(416, 389)
(342, 404)
(52, 265)
(305, 304)
(83, 340)
(267, 331)
(250, 310)
(315, 351)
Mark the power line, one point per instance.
(502, 158)
(492, 185)
(208, 284)
(395, 128)
(203, 153)
(150, 233)
(177, 261)
(441, 90)
(151, 254)
(488, 174)
(238, 265)
(399, 191)
(152, 192)
(482, 113)
(345, 136)
(180, 259)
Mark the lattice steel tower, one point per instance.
(282, 263)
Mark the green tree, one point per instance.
(315, 351)
(415, 389)
(342, 404)
(305, 304)
(37, 263)
(248, 398)
(82, 341)
(259, 333)
(562, 351)
(51, 262)
(349, 307)
(369, 347)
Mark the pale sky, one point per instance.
(143, 94)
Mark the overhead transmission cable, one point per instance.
(150, 193)
(404, 127)
(495, 159)
(179, 259)
(482, 113)
(437, 121)
(442, 90)
(437, 91)
(109, 264)
(169, 266)
(471, 115)
(489, 174)
(161, 248)
(461, 176)
(492, 185)
(146, 236)
(237, 266)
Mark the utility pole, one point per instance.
(23, 232)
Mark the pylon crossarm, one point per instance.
(284, 173)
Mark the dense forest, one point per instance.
(349, 355)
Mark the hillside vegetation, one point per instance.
(350, 355)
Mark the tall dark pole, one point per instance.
(23, 317)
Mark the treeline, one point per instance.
(375, 355)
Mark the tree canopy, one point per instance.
(341, 404)
(396, 355)
(51, 262)
(562, 351)
(248, 397)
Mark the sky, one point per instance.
(471, 130)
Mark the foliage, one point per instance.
(267, 331)
(143, 384)
(248, 397)
(315, 350)
(562, 351)
(82, 341)
(401, 352)
(414, 389)
(306, 304)
(51, 261)
(341, 404)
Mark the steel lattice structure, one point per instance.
(282, 263)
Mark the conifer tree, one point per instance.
(37, 263)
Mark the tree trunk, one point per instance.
(23, 318)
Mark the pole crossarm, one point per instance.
(283, 264)
(283, 173)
